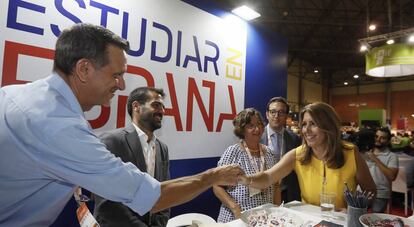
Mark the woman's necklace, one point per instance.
(324, 177)
(249, 149)
(257, 167)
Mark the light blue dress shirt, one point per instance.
(47, 148)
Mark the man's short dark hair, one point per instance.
(278, 99)
(385, 130)
(85, 41)
(142, 95)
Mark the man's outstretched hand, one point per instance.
(228, 174)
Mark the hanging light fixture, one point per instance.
(392, 60)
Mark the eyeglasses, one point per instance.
(252, 126)
(280, 113)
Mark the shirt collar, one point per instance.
(63, 88)
(143, 137)
(385, 151)
(270, 131)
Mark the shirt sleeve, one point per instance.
(71, 152)
(393, 162)
(229, 156)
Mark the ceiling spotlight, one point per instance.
(363, 48)
(356, 76)
(372, 27)
(390, 41)
(245, 13)
(345, 83)
(411, 39)
(315, 70)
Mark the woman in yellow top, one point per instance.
(323, 163)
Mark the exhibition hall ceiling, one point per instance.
(324, 34)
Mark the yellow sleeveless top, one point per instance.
(310, 177)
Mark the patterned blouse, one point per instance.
(236, 154)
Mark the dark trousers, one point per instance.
(379, 205)
(290, 188)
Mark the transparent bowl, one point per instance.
(368, 220)
(271, 215)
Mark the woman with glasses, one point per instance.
(323, 163)
(252, 157)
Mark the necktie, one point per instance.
(280, 143)
(276, 145)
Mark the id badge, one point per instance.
(254, 191)
(85, 217)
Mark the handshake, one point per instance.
(229, 175)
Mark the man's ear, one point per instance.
(83, 69)
(136, 107)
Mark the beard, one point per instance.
(151, 122)
(155, 125)
(380, 146)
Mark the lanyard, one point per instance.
(83, 214)
(257, 168)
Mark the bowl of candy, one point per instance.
(384, 220)
(269, 215)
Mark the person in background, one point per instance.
(281, 140)
(364, 139)
(323, 163)
(252, 157)
(137, 144)
(410, 151)
(383, 166)
(400, 142)
(49, 149)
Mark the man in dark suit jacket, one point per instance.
(276, 113)
(137, 144)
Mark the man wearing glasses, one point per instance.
(281, 140)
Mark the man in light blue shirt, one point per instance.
(383, 166)
(48, 148)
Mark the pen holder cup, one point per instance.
(353, 214)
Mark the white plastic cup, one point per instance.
(327, 203)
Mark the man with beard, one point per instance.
(137, 144)
(281, 140)
(383, 166)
